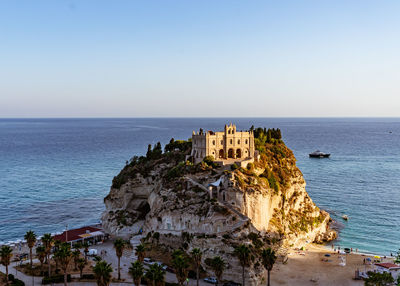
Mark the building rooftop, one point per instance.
(388, 265)
(78, 233)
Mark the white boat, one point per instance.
(345, 217)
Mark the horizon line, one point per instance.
(211, 117)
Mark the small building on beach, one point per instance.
(84, 234)
(391, 268)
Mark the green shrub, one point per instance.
(88, 276)
(55, 279)
(234, 167)
(17, 282)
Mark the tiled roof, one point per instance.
(75, 234)
(387, 265)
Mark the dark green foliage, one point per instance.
(180, 145)
(269, 175)
(88, 277)
(397, 259)
(56, 279)
(234, 167)
(221, 209)
(176, 171)
(379, 279)
(187, 237)
(156, 235)
(14, 281)
(255, 239)
(155, 153)
(209, 160)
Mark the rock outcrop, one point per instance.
(216, 208)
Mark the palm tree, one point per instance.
(196, 257)
(155, 275)
(85, 246)
(5, 258)
(81, 265)
(181, 266)
(140, 252)
(57, 245)
(64, 256)
(243, 253)
(218, 265)
(48, 242)
(119, 245)
(268, 260)
(30, 238)
(136, 272)
(102, 271)
(41, 255)
(76, 255)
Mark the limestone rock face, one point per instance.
(216, 208)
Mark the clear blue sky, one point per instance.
(199, 58)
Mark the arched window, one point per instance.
(229, 131)
(246, 141)
(213, 142)
(238, 141)
(231, 141)
(222, 142)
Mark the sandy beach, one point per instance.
(312, 267)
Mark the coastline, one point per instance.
(312, 266)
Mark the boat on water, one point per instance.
(345, 217)
(319, 154)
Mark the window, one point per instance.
(213, 142)
(238, 141)
(231, 141)
(222, 142)
(246, 141)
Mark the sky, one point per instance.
(64, 58)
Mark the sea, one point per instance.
(55, 173)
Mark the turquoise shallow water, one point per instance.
(55, 172)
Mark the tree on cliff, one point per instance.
(196, 257)
(30, 238)
(5, 258)
(102, 271)
(243, 254)
(136, 272)
(181, 266)
(48, 242)
(140, 252)
(218, 265)
(268, 260)
(119, 245)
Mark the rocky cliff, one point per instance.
(215, 207)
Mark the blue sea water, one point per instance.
(55, 172)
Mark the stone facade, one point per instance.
(226, 145)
